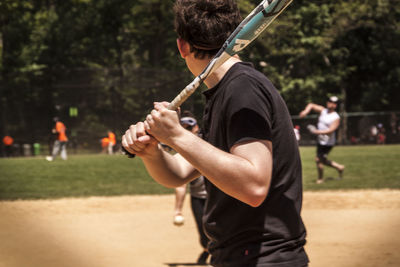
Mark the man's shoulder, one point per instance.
(333, 114)
(246, 69)
(336, 115)
(244, 74)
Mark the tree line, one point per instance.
(110, 59)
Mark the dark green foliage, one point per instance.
(346, 48)
(112, 59)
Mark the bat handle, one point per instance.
(178, 100)
(130, 155)
(185, 93)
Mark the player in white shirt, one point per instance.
(297, 132)
(328, 122)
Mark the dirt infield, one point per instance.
(358, 228)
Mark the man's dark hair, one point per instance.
(205, 24)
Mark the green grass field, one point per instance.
(367, 167)
(79, 176)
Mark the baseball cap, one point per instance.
(333, 99)
(188, 121)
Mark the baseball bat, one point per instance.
(247, 31)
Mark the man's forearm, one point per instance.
(240, 177)
(331, 129)
(328, 131)
(165, 169)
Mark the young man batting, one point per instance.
(249, 154)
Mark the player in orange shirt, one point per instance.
(8, 142)
(104, 144)
(60, 144)
(111, 142)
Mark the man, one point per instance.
(111, 142)
(328, 123)
(249, 155)
(104, 144)
(8, 142)
(60, 144)
(297, 132)
(198, 193)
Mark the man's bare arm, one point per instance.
(168, 170)
(244, 173)
(311, 107)
(331, 128)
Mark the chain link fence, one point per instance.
(91, 101)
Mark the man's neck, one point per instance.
(217, 75)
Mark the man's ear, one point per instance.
(183, 47)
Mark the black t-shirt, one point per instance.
(243, 106)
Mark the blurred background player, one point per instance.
(104, 145)
(111, 142)
(381, 135)
(8, 142)
(328, 123)
(60, 144)
(108, 143)
(297, 132)
(198, 193)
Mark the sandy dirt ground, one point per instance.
(358, 228)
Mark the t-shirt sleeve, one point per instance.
(248, 115)
(336, 116)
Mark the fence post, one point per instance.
(27, 150)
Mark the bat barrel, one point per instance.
(255, 25)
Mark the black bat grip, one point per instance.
(130, 155)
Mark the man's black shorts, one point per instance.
(323, 151)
